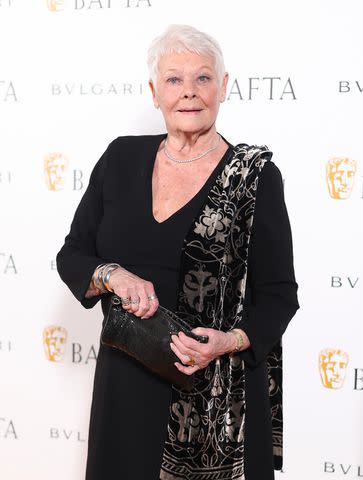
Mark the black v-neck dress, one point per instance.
(114, 222)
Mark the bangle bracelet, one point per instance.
(98, 279)
(101, 272)
(106, 268)
(106, 274)
(95, 276)
(107, 279)
(239, 338)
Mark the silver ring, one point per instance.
(151, 297)
(125, 301)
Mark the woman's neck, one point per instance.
(187, 144)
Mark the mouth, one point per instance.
(189, 110)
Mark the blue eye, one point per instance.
(204, 78)
(173, 80)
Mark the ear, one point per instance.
(153, 93)
(224, 87)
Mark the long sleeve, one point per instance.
(271, 291)
(77, 259)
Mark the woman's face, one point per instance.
(188, 92)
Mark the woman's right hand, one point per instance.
(128, 285)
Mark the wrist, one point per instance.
(102, 275)
(107, 276)
(237, 341)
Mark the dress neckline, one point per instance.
(158, 140)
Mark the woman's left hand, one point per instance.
(191, 351)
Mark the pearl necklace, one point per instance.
(170, 157)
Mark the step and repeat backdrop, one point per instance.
(73, 77)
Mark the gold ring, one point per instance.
(191, 362)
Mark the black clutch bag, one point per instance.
(148, 340)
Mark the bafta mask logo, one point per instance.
(333, 366)
(55, 171)
(55, 5)
(340, 174)
(54, 342)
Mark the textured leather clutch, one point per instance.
(148, 340)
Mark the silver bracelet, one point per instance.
(95, 279)
(106, 274)
(98, 279)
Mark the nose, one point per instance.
(189, 89)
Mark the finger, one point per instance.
(152, 300)
(190, 342)
(150, 290)
(204, 352)
(181, 346)
(123, 293)
(151, 296)
(184, 358)
(201, 331)
(154, 304)
(143, 306)
(134, 299)
(185, 369)
(150, 304)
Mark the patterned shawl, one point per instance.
(205, 435)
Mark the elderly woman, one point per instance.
(188, 221)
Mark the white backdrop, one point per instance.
(72, 78)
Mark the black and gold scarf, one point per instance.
(205, 436)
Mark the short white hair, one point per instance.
(181, 39)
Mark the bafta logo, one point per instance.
(55, 5)
(55, 171)
(54, 342)
(333, 366)
(340, 173)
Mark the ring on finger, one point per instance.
(125, 301)
(191, 362)
(152, 297)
